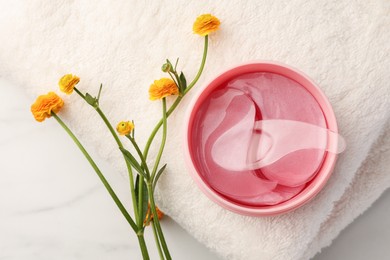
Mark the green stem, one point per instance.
(140, 200)
(157, 240)
(159, 124)
(141, 181)
(99, 173)
(129, 170)
(178, 99)
(109, 126)
(80, 94)
(157, 222)
(137, 211)
(206, 45)
(142, 245)
(138, 150)
(118, 141)
(163, 140)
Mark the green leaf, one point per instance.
(133, 132)
(100, 91)
(136, 189)
(177, 61)
(91, 100)
(130, 158)
(158, 176)
(183, 81)
(145, 198)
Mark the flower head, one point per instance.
(162, 88)
(124, 127)
(149, 215)
(206, 24)
(45, 104)
(68, 82)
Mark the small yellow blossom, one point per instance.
(124, 127)
(149, 215)
(162, 88)
(206, 24)
(45, 104)
(68, 82)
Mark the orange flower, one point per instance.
(206, 24)
(124, 127)
(162, 88)
(45, 104)
(149, 215)
(68, 82)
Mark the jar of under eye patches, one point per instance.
(261, 139)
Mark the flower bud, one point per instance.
(166, 67)
(125, 127)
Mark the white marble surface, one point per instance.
(52, 205)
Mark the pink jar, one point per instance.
(278, 92)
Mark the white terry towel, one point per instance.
(343, 45)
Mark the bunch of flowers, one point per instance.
(142, 176)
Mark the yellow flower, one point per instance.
(149, 215)
(68, 82)
(206, 24)
(162, 88)
(45, 104)
(124, 127)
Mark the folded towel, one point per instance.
(342, 45)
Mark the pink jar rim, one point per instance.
(319, 181)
